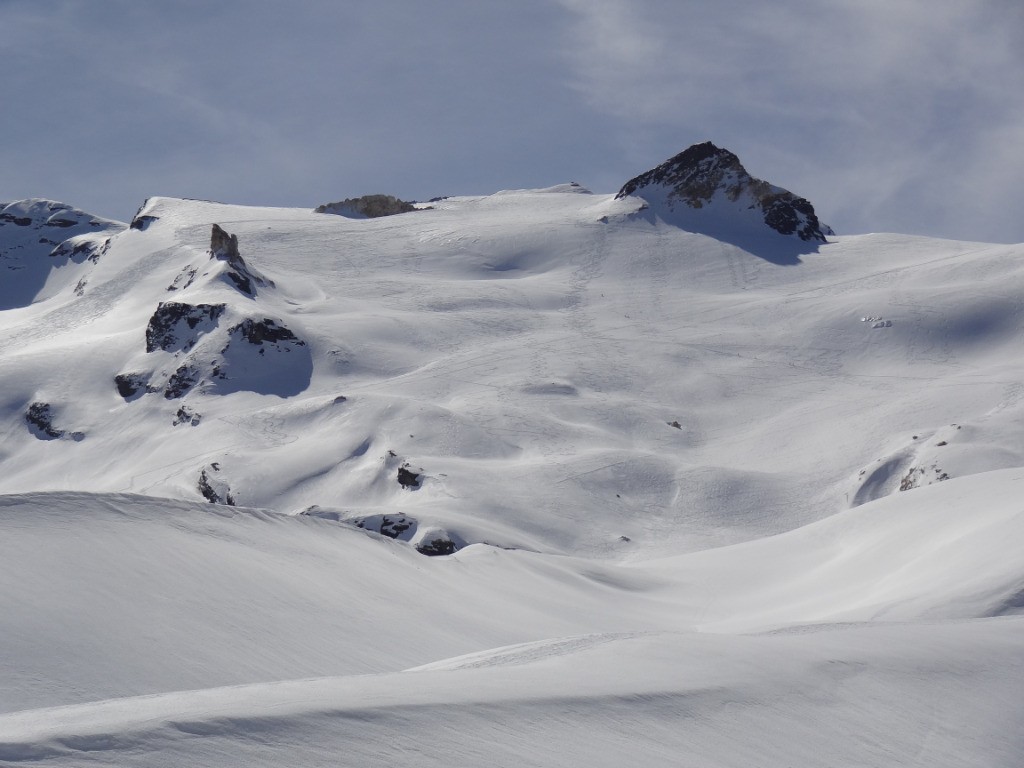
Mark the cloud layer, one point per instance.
(901, 116)
(898, 115)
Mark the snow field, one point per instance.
(675, 462)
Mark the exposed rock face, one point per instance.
(225, 248)
(408, 479)
(214, 489)
(256, 354)
(706, 176)
(177, 326)
(142, 222)
(258, 331)
(130, 384)
(367, 207)
(395, 527)
(184, 279)
(6, 217)
(181, 381)
(436, 547)
(39, 418)
(431, 541)
(186, 415)
(435, 542)
(223, 245)
(81, 248)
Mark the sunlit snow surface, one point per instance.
(673, 464)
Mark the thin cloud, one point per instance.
(899, 116)
(864, 107)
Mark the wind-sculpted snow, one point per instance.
(777, 700)
(515, 655)
(685, 495)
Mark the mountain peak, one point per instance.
(701, 165)
(705, 176)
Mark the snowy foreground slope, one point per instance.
(707, 494)
(884, 635)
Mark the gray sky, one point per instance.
(888, 115)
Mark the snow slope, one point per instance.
(527, 354)
(871, 695)
(705, 505)
(878, 652)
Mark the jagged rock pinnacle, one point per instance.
(223, 245)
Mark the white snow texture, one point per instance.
(693, 500)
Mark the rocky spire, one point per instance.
(223, 245)
(225, 248)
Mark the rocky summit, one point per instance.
(705, 177)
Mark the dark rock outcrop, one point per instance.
(409, 479)
(257, 354)
(130, 384)
(81, 248)
(186, 415)
(392, 527)
(11, 218)
(39, 418)
(184, 279)
(265, 330)
(181, 381)
(705, 176)
(432, 541)
(224, 247)
(395, 526)
(177, 326)
(367, 207)
(141, 222)
(436, 547)
(214, 489)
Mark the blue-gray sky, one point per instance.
(889, 115)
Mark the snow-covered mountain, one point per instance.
(706, 189)
(669, 447)
(40, 237)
